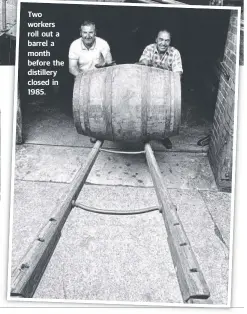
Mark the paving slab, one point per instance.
(211, 252)
(219, 207)
(121, 258)
(112, 258)
(48, 163)
(178, 170)
(33, 204)
(60, 164)
(52, 126)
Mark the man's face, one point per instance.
(163, 41)
(88, 34)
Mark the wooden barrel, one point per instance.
(127, 102)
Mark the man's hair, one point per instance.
(86, 23)
(164, 31)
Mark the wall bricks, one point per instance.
(220, 149)
(233, 26)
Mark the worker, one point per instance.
(161, 55)
(89, 51)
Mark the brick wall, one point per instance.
(235, 3)
(221, 145)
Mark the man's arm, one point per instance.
(106, 52)
(144, 62)
(177, 63)
(108, 57)
(146, 57)
(73, 67)
(73, 59)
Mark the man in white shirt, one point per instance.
(89, 51)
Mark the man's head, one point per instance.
(88, 33)
(163, 40)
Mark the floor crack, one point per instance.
(216, 228)
(218, 234)
(64, 290)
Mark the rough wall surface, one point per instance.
(235, 3)
(221, 146)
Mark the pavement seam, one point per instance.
(159, 150)
(216, 228)
(42, 181)
(117, 185)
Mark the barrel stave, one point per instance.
(130, 103)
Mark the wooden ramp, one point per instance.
(191, 281)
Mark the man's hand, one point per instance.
(144, 62)
(98, 66)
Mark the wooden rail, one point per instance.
(190, 277)
(192, 284)
(28, 274)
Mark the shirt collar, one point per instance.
(83, 47)
(166, 53)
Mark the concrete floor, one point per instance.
(117, 258)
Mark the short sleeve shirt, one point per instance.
(88, 58)
(170, 60)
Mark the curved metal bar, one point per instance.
(115, 212)
(122, 152)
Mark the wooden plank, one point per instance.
(26, 276)
(200, 301)
(189, 274)
(32, 267)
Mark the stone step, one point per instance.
(60, 164)
(53, 127)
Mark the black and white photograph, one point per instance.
(123, 175)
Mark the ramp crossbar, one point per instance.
(26, 277)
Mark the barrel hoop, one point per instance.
(177, 104)
(145, 98)
(107, 103)
(76, 104)
(86, 101)
(165, 82)
(171, 107)
(76, 107)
